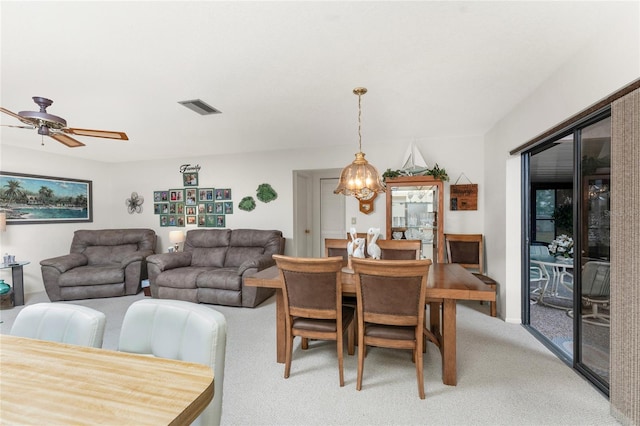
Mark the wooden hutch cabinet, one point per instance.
(415, 212)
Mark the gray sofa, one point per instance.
(101, 263)
(213, 265)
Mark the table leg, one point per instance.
(280, 327)
(434, 317)
(18, 285)
(448, 349)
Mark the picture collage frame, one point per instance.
(205, 207)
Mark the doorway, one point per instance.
(318, 212)
(566, 273)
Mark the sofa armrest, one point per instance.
(66, 262)
(166, 261)
(259, 263)
(135, 257)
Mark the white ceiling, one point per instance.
(282, 73)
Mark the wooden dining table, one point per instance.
(447, 283)
(44, 382)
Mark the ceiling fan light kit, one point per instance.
(56, 127)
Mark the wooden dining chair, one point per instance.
(391, 300)
(336, 247)
(400, 249)
(468, 251)
(313, 307)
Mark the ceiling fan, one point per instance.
(56, 127)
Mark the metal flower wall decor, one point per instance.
(134, 204)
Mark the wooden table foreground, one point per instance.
(45, 382)
(447, 283)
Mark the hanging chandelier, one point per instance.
(360, 179)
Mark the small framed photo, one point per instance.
(172, 208)
(180, 208)
(210, 221)
(164, 220)
(191, 196)
(219, 208)
(191, 220)
(219, 193)
(180, 220)
(176, 195)
(209, 208)
(228, 207)
(160, 196)
(226, 194)
(191, 210)
(220, 221)
(205, 194)
(202, 220)
(159, 208)
(172, 220)
(190, 179)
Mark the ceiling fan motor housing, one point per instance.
(41, 118)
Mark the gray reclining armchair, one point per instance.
(101, 263)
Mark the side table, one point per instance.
(17, 280)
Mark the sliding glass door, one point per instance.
(566, 257)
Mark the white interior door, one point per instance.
(303, 218)
(332, 212)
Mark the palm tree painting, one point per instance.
(43, 199)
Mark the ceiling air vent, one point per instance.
(200, 107)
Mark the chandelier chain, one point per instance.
(359, 123)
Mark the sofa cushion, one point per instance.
(208, 247)
(185, 277)
(223, 278)
(104, 255)
(90, 275)
(251, 243)
(144, 239)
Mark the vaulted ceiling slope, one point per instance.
(281, 72)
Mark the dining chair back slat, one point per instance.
(399, 249)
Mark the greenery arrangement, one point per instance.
(563, 217)
(436, 172)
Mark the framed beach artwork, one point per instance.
(29, 199)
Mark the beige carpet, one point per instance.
(505, 377)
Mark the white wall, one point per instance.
(113, 184)
(603, 66)
(36, 242)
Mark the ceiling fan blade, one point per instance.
(67, 140)
(97, 133)
(23, 119)
(18, 127)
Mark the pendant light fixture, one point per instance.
(360, 179)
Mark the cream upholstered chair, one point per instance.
(61, 322)
(179, 330)
(391, 298)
